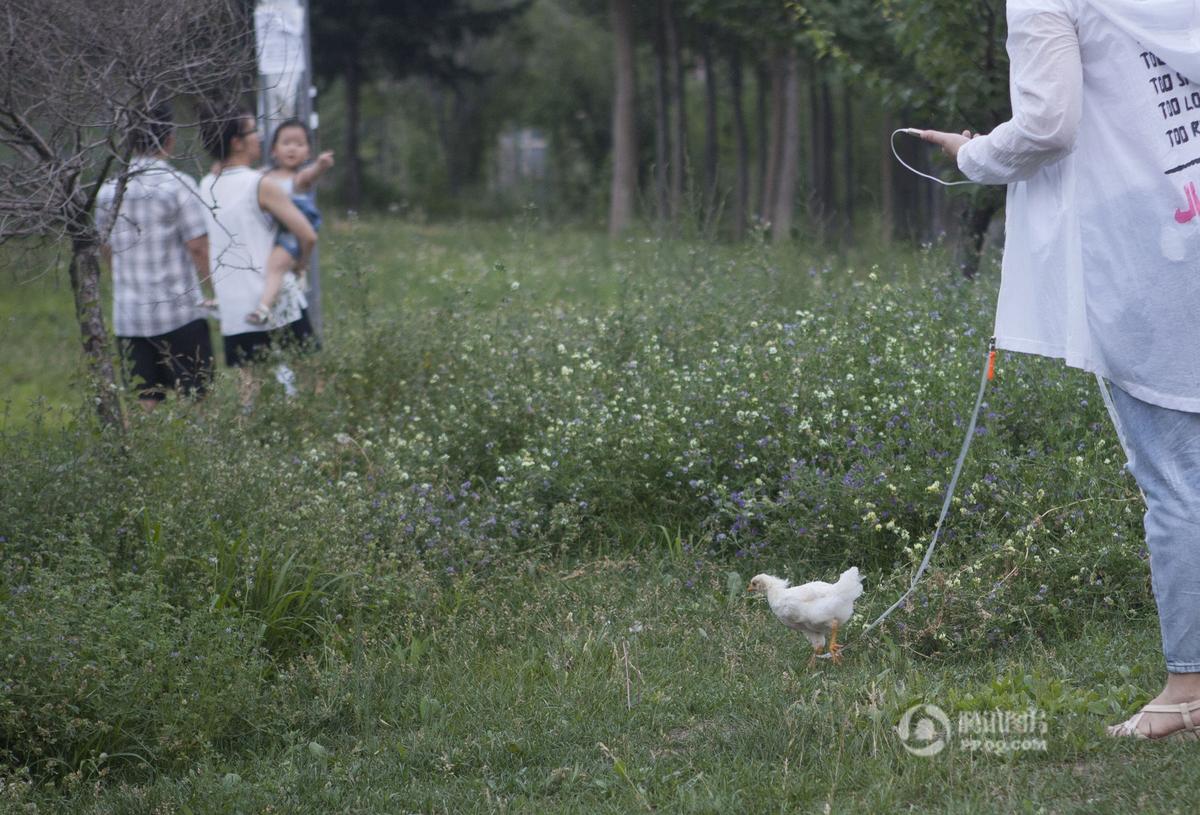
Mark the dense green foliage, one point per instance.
(355, 584)
(431, 146)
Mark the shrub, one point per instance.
(99, 671)
(513, 396)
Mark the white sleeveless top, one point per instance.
(240, 238)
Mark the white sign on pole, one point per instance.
(282, 62)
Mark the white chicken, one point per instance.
(815, 609)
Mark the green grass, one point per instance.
(498, 563)
(40, 337)
(534, 694)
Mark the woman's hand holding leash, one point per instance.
(949, 142)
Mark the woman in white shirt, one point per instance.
(1102, 262)
(244, 210)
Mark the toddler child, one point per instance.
(290, 149)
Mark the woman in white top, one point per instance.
(1102, 262)
(245, 210)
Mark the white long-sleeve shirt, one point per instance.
(1102, 158)
(1046, 85)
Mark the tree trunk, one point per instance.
(741, 191)
(85, 284)
(624, 180)
(977, 220)
(662, 120)
(927, 197)
(938, 204)
(760, 124)
(770, 190)
(465, 144)
(829, 181)
(908, 194)
(887, 181)
(679, 123)
(785, 201)
(821, 161)
(354, 173)
(847, 140)
(383, 156)
(711, 143)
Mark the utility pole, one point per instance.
(286, 90)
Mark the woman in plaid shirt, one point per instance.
(157, 246)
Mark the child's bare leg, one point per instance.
(279, 262)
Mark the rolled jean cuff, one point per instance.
(1183, 667)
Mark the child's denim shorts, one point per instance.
(287, 240)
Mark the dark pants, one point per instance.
(180, 360)
(253, 346)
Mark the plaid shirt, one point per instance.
(155, 286)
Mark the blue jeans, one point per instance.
(1163, 447)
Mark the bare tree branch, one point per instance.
(75, 80)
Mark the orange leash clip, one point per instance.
(991, 367)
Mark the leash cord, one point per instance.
(912, 131)
(989, 370)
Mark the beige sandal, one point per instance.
(1190, 731)
(260, 315)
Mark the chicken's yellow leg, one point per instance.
(834, 648)
(817, 649)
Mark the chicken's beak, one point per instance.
(751, 588)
